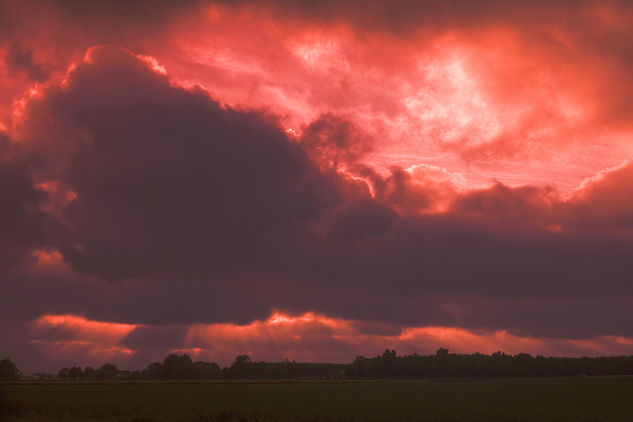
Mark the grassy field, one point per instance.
(554, 399)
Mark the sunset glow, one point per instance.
(314, 182)
(73, 340)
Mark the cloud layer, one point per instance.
(456, 179)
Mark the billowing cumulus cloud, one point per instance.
(179, 187)
(399, 177)
(184, 189)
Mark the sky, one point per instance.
(314, 180)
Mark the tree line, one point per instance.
(444, 364)
(181, 366)
(388, 365)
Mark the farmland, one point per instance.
(519, 399)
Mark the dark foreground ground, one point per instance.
(543, 399)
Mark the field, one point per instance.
(551, 399)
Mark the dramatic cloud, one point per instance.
(185, 189)
(68, 340)
(179, 187)
(22, 224)
(371, 175)
(19, 61)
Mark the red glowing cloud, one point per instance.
(314, 337)
(52, 341)
(483, 97)
(74, 340)
(492, 97)
(81, 329)
(414, 177)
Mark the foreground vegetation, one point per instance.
(589, 399)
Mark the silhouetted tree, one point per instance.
(89, 372)
(153, 370)
(287, 369)
(177, 366)
(75, 373)
(8, 370)
(241, 367)
(386, 365)
(63, 374)
(107, 371)
(206, 370)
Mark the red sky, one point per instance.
(314, 180)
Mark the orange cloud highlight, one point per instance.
(75, 339)
(308, 337)
(83, 329)
(314, 337)
(489, 103)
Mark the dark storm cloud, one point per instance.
(170, 183)
(22, 224)
(213, 214)
(401, 16)
(136, 16)
(140, 302)
(522, 204)
(20, 219)
(395, 14)
(120, 9)
(168, 337)
(106, 21)
(55, 32)
(19, 60)
(334, 140)
(556, 317)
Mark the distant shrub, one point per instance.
(8, 370)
